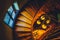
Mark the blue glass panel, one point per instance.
(13, 15)
(7, 18)
(16, 6)
(11, 23)
(10, 10)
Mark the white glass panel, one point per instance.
(16, 6)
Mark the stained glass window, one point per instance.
(11, 14)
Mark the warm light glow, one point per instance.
(22, 18)
(22, 29)
(38, 22)
(42, 18)
(27, 15)
(38, 33)
(48, 21)
(44, 26)
(20, 23)
(31, 11)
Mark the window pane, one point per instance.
(13, 15)
(11, 23)
(10, 10)
(16, 6)
(6, 19)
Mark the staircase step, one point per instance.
(23, 34)
(22, 18)
(30, 10)
(27, 38)
(22, 29)
(26, 14)
(20, 23)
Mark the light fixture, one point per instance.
(42, 17)
(38, 22)
(44, 26)
(47, 21)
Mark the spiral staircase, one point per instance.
(25, 27)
